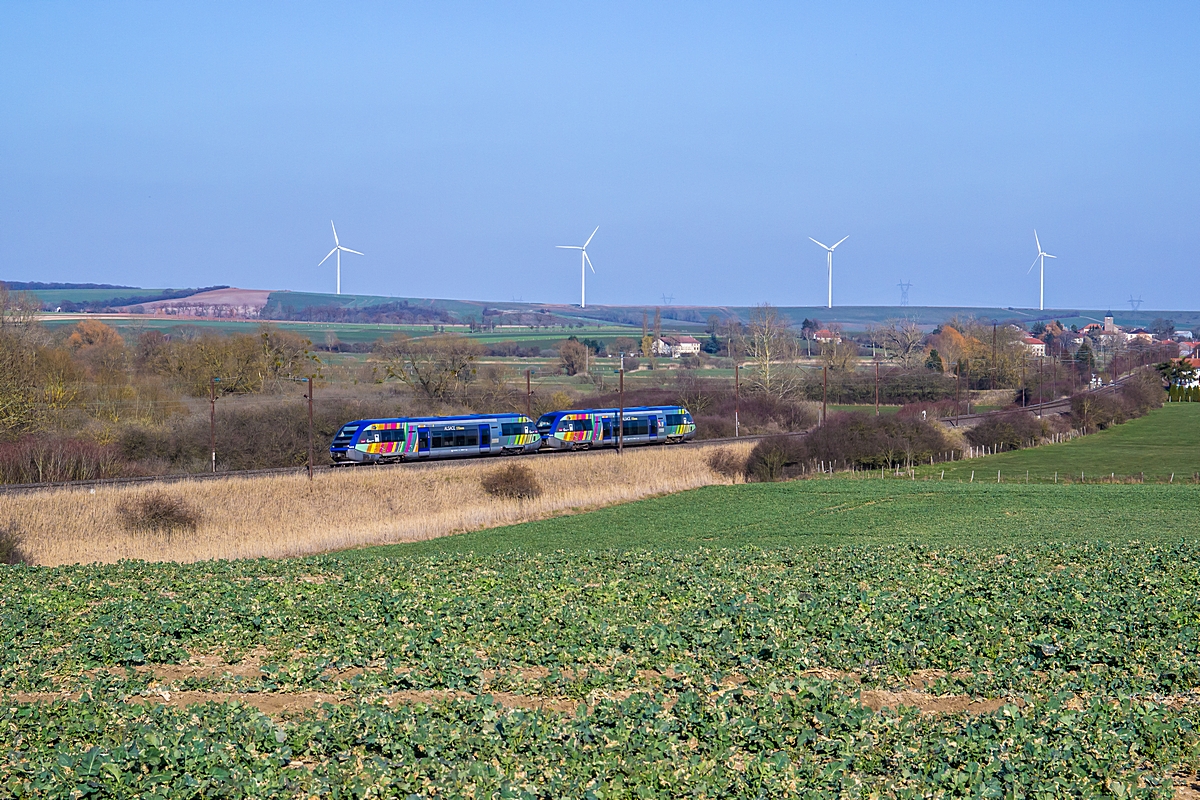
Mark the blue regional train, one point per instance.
(381, 441)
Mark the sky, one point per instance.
(455, 144)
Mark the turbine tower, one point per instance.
(584, 263)
(904, 287)
(830, 250)
(1041, 256)
(337, 248)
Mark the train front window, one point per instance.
(545, 424)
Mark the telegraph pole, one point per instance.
(736, 399)
(877, 387)
(310, 428)
(528, 394)
(212, 421)
(824, 391)
(621, 411)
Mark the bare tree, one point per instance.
(572, 356)
(771, 347)
(902, 339)
(436, 366)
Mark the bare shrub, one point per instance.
(1008, 431)
(10, 545)
(726, 462)
(44, 459)
(861, 441)
(513, 482)
(159, 511)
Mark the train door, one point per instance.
(485, 438)
(607, 429)
(653, 427)
(423, 440)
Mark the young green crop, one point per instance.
(708, 643)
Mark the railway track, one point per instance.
(1055, 406)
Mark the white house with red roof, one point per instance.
(1036, 347)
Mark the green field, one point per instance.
(721, 642)
(1165, 441)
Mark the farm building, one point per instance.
(676, 346)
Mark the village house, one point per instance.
(1036, 347)
(676, 346)
(826, 336)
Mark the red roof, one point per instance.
(1031, 340)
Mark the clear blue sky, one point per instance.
(182, 144)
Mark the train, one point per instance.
(384, 441)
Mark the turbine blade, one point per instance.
(348, 250)
(1034, 264)
(568, 247)
(589, 241)
(1047, 255)
(588, 260)
(335, 239)
(326, 258)
(814, 240)
(1036, 239)
(844, 238)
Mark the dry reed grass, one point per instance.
(276, 517)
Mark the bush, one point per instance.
(43, 459)
(514, 482)
(159, 511)
(1007, 431)
(10, 545)
(861, 441)
(726, 463)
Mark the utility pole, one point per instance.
(993, 379)
(528, 394)
(824, 391)
(957, 391)
(621, 411)
(1024, 386)
(212, 421)
(310, 428)
(736, 399)
(877, 387)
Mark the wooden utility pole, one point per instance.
(310, 428)
(877, 387)
(737, 386)
(621, 410)
(212, 421)
(993, 379)
(528, 395)
(824, 391)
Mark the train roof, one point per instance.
(628, 410)
(459, 418)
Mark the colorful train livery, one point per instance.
(579, 429)
(413, 438)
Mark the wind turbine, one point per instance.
(1041, 256)
(337, 248)
(830, 249)
(584, 262)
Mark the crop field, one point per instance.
(1164, 442)
(824, 638)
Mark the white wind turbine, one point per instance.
(1041, 256)
(584, 263)
(337, 248)
(830, 250)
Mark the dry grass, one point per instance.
(276, 517)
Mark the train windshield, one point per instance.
(545, 424)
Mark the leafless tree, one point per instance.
(903, 340)
(435, 366)
(771, 346)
